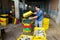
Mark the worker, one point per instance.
(38, 17)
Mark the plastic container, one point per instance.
(4, 19)
(25, 37)
(39, 34)
(39, 38)
(27, 25)
(39, 31)
(46, 22)
(16, 21)
(4, 15)
(26, 30)
(26, 21)
(27, 14)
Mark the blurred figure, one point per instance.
(38, 17)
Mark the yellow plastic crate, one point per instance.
(4, 21)
(14, 20)
(39, 34)
(46, 23)
(27, 14)
(26, 24)
(25, 37)
(4, 15)
(39, 38)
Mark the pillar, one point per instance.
(58, 16)
(16, 2)
(23, 3)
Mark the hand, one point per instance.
(30, 18)
(35, 13)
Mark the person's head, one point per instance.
(37, 7)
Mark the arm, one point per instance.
(33, 17)
(35, 13)
(38, 15)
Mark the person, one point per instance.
(38, 17)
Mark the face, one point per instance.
(36, 8)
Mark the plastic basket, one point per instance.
(25, 37)
(39, 38)
(39, 34)
(46, 23)
(27, 14)
(3, 21)
(26, 30)
(27, 25)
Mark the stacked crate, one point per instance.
(4, 19)
(27, 25)
(46, 23)
(39, 34)
(25, 37)
(26, 22)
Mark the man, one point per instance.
(38, 17)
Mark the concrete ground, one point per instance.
(54, 31)
(14, 31)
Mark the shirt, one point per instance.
(40, 15)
